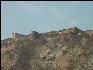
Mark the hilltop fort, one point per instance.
(66, 49)
(48, 35)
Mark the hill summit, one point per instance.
(66, 49)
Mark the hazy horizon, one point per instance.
(26, 16)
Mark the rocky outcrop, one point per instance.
(68, 49)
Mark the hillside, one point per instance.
(67, 49)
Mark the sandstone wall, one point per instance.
(89, 32)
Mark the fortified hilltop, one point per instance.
(66, 49)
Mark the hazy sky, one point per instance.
(26, 16)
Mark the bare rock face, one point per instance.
(68, 49)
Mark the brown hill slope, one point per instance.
(68, 49)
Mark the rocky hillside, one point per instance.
(67, 49)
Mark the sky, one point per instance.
(43, 16)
